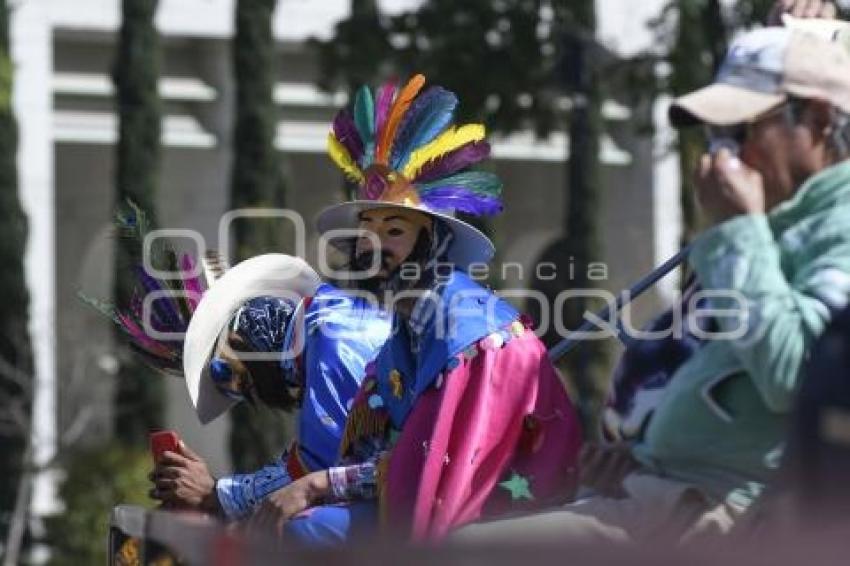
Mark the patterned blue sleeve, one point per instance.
(240, 494)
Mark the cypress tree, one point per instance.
(256, 435)
(580, 243)
(139, 394)
(15, 347)
(581, 230)
(700, 34)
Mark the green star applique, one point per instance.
(518, 486)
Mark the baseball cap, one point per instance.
(834, 30)
(761, 70)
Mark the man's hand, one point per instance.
(183, 481)
(285, 503)
(603, 467)
(823, 9)
(726, 187)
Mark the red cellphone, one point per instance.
(162, 441)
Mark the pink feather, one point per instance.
(141, 338)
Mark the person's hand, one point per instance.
(285, 503)
(727, 187)
(603, 467)
(823, 9)
(183, 481)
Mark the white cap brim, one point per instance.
(722, 104)
(275, 275)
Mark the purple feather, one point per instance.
(162, 305)
(452, 162)
(191, 284)
(345, 131)
(462, 200)
(136, 308)
(383, 105)
(429, 114)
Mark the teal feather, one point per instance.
(480, 182)
(364, 120)
(427, 117)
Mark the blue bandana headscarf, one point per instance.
(262, 323)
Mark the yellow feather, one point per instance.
(343, 160)
(448, 141)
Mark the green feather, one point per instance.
(364, 120)
(480, 182)
(106, 309)
(131, 222)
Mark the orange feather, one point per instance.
(400, 105)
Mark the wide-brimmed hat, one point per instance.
(762, 69)
(270, 275)
(402, 150)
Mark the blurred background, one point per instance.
(196, 107)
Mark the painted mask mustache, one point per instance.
(365, 260)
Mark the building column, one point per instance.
(32, 55)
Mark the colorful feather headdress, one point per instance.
(401, 147)
(169, 313)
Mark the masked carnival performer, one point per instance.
(266, 331)
(462, 415)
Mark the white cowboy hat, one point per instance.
(275, 275)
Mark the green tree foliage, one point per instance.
(257, 434)
(139, 395)
(701, 32)
(15, 348)
(509, 48)
(581, 240)
(256, 178)
(96, 481)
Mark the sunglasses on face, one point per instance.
(733, 137)
(226, 380)
(230, 381)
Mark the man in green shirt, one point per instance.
(775, 188)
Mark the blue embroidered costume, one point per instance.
(342, 334)
(445, 321)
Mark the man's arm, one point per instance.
(355, 482)
(240, 494)
(740, 257)
(782, 317)
(183, 481)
